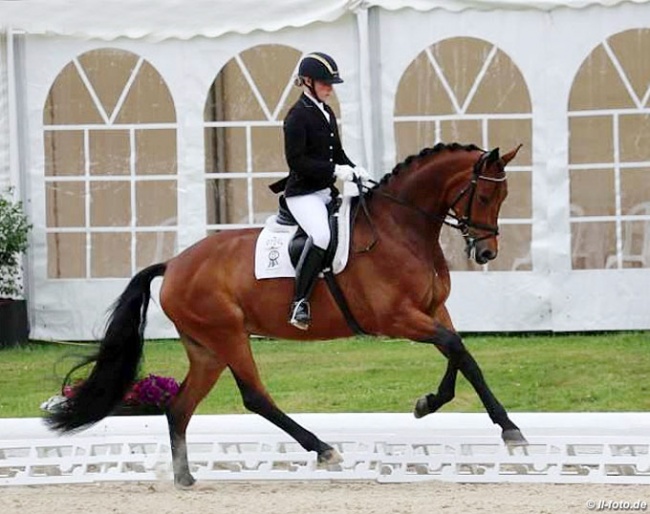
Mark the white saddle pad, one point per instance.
(272, 258)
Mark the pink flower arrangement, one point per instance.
(152, 390)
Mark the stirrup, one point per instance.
(300, 314)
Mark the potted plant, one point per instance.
(14, 230)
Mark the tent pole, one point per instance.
(14, 147)
(365, 87)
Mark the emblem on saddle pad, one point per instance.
(272, 259)
(273, 244)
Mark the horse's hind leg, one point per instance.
(205, 369)
(257, 399)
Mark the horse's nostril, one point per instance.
(486, 255)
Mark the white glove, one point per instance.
(344, 172)
(362, 173)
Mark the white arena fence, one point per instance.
(388, 448)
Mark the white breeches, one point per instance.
(310, 212)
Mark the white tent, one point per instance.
(213, 18)
(569, 79)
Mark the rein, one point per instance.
(461, 223)
(364, 206)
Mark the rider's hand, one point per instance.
(344, 172)
(362, 173)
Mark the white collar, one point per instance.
(319, 104)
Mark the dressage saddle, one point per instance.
(284, 217)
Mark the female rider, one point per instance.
(316, 159)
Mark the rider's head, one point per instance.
(318, 72)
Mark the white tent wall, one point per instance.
(74, 308)
(543, 45)
(547, 41)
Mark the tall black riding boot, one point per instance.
(309, 266)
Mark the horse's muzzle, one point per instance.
(484, 255)
(480, 249)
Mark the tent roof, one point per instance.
(161, 19)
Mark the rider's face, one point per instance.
(323, 90)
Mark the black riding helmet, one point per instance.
(320, 66)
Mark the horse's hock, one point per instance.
(564, 448)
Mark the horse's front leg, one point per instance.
(431, 402)
(450, 344)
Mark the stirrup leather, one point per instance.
(300, 314)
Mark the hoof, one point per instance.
(329, 457)
(184, 481)
(513, 437)
(422, 407)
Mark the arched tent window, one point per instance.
(244, 111)
(609, 155)
(466, 90)
(110, 167)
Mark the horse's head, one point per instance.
(477, 204)
(455, 181)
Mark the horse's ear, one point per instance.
(493, 156)
(510, 155)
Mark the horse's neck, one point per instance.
(424, 201)
(439, 262)
(423, 190)
(406, 223)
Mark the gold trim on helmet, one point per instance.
(325, 63)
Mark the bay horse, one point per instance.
(397, 289)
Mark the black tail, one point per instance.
(116, 361)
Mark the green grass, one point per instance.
(539, 373)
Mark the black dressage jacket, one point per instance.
(312, 147)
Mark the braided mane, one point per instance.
(406, 163)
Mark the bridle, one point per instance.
(462, 223)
